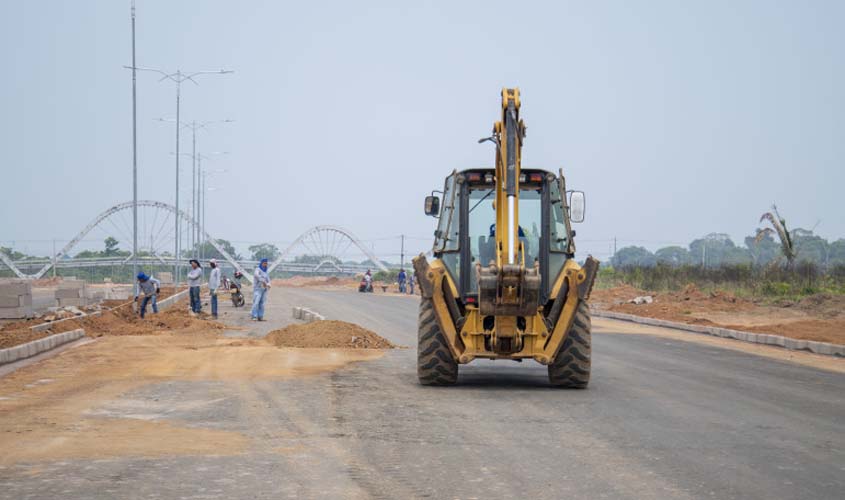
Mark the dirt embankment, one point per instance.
(328, 334)
(335, 283)
(310, 281)
(818, 317)
(118, 321)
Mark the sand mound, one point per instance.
(823, 304)
(119, 321)
(328, 334)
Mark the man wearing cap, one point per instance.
(213, 285)
(195, 282)
(259, 290)
(151, 287)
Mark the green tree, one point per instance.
(13, 254)
(716, 249)
(111, 247)
(779, 227)
(763, 248)
(836, 252)
(315, 259)
(207, 250)
(809, 247)
(673, 256)
(633, 257)
(264, 251)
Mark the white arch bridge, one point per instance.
(317, 250)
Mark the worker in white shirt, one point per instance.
(259, 290)
(195, 282)
(213, 285)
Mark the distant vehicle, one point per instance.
(234, 287)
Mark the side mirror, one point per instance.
(577, 206)
(432, 206)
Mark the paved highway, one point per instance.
(662, 418)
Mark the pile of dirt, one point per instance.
(328, 334)
(818, 317)
(118, 321)
(825, 305)
(607, 297)
(318, 282)
(331, 280)
(124, 321)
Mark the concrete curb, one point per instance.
(754, 338)
(35, 347)
(43, 327)
(169, 302)
(306, 315)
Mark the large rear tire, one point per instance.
(571, 367)
(435, 364)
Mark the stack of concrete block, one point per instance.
(165, 278)
(307, 315)
(16, 299)
(72, 293)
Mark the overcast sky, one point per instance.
(677, 118)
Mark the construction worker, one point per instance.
(368, 281)
(402, 278)
(151, 288)
(259, 290)
(195, 282)
(213, 285)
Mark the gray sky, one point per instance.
(678, 119)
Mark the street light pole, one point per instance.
(178, 260)
(178, 77)
(195, 235)
(204, 192)
(134, 166)
(193, 182)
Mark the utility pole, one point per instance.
(134, 167)
(55, 261)
(402, 254)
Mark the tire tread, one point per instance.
(571, 367)
(435, 364)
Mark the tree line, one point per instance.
(717, 249)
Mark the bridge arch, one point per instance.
(327, 240)
(102, 217)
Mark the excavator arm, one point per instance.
(508, 287)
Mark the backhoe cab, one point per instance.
(503, 283)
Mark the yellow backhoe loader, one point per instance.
(503, 283)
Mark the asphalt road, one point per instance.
(662, 418)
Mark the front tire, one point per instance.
(571, 367)
(435, 364)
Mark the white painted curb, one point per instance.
(754, 338)
(30, 349)
(307, 315)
